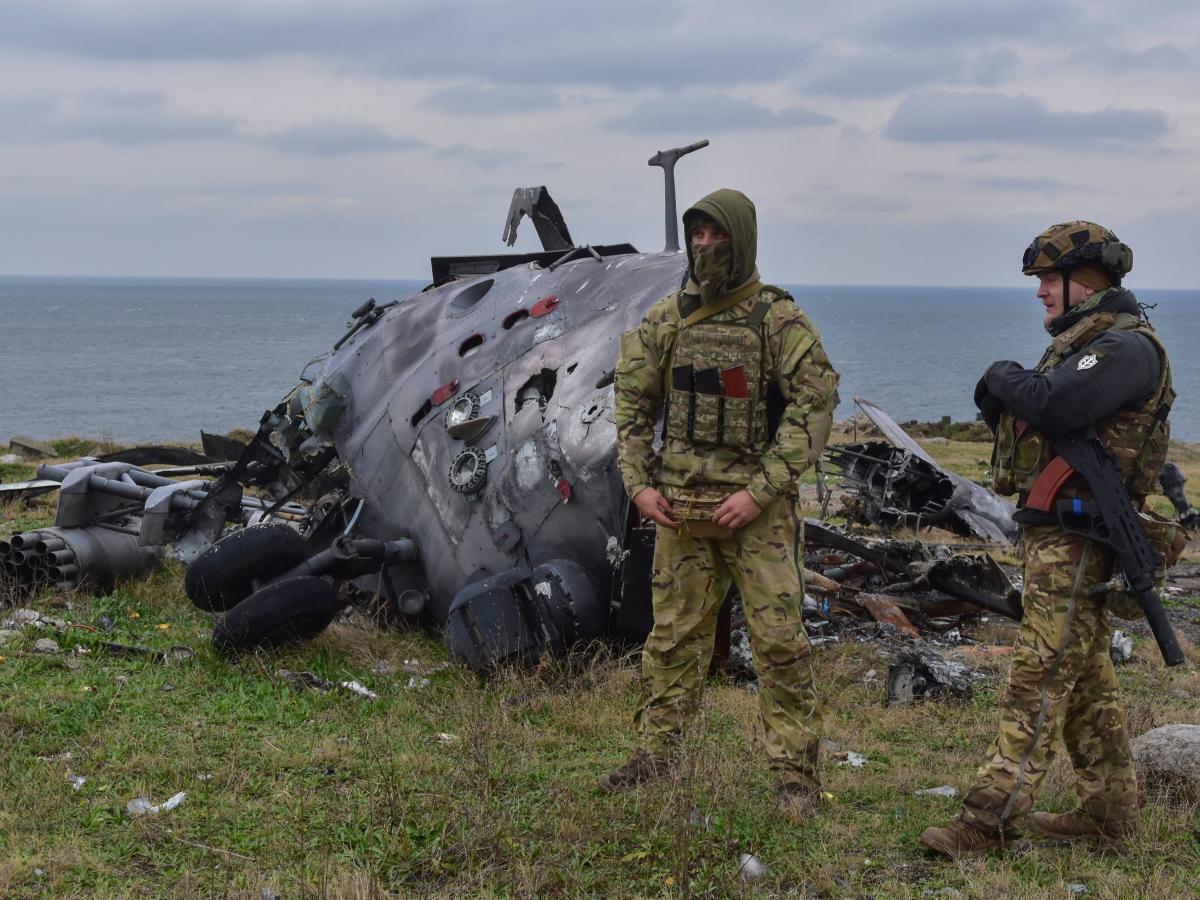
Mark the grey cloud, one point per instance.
(1019, 183)
(950, 23)
(1159, 58)
(623, 43)
(993, 67)
(332, 138)
(109, 116)
(869, 74)
(703, 112)
(945, 117)
(487, 99)
(479, 156)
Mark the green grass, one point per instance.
(328, 794)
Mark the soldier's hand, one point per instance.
(738, 509)
(655, 506)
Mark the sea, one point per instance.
(159, 359)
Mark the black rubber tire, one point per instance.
(222, 576)
(294, 609)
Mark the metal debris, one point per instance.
(140, 806)
(850, 758)
(353, 687)
(1120, 648)
(751, 867)
(899, 483)
(885, 611)
(920, 672)
(46, 645)
(76, 781)
(944, 790)
(303, 681)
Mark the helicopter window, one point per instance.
(470, 345)
(515, 318)
(470, 295)
(571, 368)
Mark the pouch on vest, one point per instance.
(1169, 539)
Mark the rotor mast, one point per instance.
(666, 159)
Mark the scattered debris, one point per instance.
(899, 483)
(140, 806)
(383, 667)
(303, 681)
(1121, 647)
(58, 757)
(944, 790)
(1167, 760)
(921, 672)
(885, 611)
(751, 867)
(46, 645)
(176, 654)
(353, 687)
(1077, 888)
(415, 683)
(76, 781)
(446, 739)
(850, 758)
(698, 821)
(28, 448)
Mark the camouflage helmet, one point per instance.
(1073, 244)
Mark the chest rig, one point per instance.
(718, 376)
(1137, 438)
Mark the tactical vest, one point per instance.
(710, 417)
(1137, 438)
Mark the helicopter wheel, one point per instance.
(294, 609)
(227, 572)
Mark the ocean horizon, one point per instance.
(150, 359)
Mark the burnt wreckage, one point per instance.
(452, 461)
(452, 458)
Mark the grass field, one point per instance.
(448, 785)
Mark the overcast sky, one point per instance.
(917, 143)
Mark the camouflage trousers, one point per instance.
(690, 580)
(1062, 685)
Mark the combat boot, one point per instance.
(798, 802)
(1079, 824)
(638, 769)
(959, 839)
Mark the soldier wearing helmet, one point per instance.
(722, 487)
(1106, 368)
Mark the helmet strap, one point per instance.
(1066, 290)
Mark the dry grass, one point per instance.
(328, 795)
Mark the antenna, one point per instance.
(667, 159)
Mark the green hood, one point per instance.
(734, 212)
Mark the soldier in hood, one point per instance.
(746, 394)
(1106, 368)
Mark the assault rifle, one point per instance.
(1110, 519)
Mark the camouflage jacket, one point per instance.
(796, 362)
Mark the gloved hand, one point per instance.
(989, 406)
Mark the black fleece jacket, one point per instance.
(1114, 371)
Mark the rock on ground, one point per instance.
(1167, 760)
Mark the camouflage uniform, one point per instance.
(700, 462)
(1105, 368)
(1062, 681)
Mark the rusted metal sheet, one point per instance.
(883, 609)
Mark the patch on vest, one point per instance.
(1087, 362)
